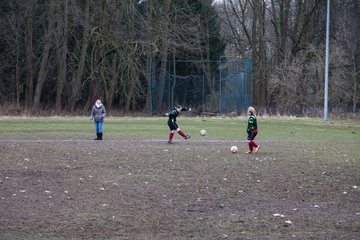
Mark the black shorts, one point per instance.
(172, 125)
(251, 135)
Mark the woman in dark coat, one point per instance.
(98, 113)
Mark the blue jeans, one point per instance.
(98, 126)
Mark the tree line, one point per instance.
(61, 55)
(64, 54)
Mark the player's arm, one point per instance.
(186, 109)
(103, 112)
(169, 114)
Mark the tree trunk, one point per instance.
(149, 60)
(98, 55)
(29, 54)
(280, 21)
(76, 81)
(129, 96)
(209, 78)
(94, 87)
(164, 54)
(148, 100)
(45, 58)
(355, 76)
(62, 61)
(174, 80)
(17, 70)
(259, 53)
(262, 91)
(112, 84)
(357, 58)
(162, 75)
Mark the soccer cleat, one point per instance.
(257, 148)
(248, 152)
(186, 137)
(170, 142)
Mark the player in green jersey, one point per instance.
(172, 114)
(252, 131)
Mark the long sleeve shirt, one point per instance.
(252, 124)
(173, 113)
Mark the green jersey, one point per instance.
(174, 113)
(252, 125)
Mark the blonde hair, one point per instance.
(98, 103)
(251, 110)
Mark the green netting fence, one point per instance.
(216, 87)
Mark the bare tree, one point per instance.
(250, 15)
(346, 70)
(131, 49)
(76, 82)
(280, 13)
(29, 53)
(164, 47)
(300, 81)
(48, 43)
(276, 32)
(62, 46)
(12, 37)
(149, 52)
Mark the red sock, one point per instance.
(254, 144)
(182, 133)
(250, 146)
(171, 135)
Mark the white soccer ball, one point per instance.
(234, 149)
(203, 132)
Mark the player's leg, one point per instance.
(171, 135)
(100, 130)
(97, 130)
(172, 127)
(182, 134)
(250, 148)
(250, 143)
(256, 146)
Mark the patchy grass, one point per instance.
(217, 128)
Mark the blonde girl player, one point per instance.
(252, 131)
(172, 114)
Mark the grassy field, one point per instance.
(57, 183)
(297, 129)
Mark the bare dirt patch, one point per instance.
(135, 189)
